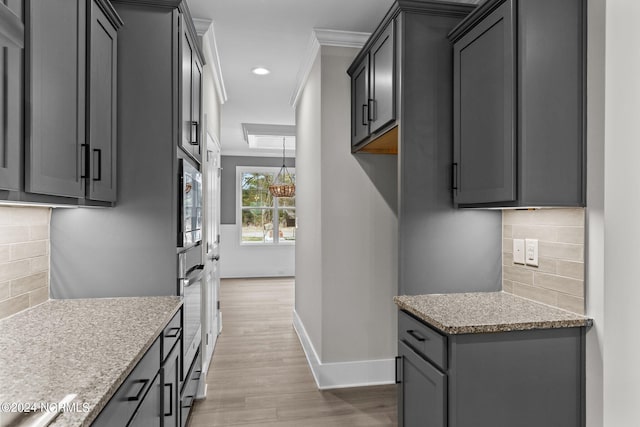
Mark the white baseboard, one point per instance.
(344, 374)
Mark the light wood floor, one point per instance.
(259, 375)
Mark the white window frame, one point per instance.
(276, 238)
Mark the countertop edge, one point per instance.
(97, 409)
(498, 327)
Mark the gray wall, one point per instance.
(228, 180)
(308, 259)
(346, 253)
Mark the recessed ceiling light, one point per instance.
(261, 71)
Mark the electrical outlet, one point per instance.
(531, 252)
(518, 251)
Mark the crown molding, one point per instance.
(201, 25)
(205, 29)
(322, 37)
(341, 38)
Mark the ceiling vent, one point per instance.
(269, 137)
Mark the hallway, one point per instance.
(259, 374)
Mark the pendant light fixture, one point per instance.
(284, 184)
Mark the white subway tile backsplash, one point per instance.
(39, 232)
(12, 233)
(30, 215)
(572, 269)
(13, 305)
(38, 296)
(5, 253)
(14, 270)
(566, 251)
(28, 250)
(571, 303)
(519, 275)
(542, 295)
(5, 290)
(561, 284)
(24, 258)
(39, 264)
(29, 283)
(548, 234)
(559, 278)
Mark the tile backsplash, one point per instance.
(24, 258)
(559, 278)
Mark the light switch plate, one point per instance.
(531, 248)
(518, 251)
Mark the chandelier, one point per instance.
(284, 184)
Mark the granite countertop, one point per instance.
(81, 346)
(485, 312)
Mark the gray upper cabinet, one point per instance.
(519, 104)
(55, 97)
(484, 61)
(11, 25)
(382, 105)
(373, 82)
(70, 141)
(101, 113)
(11, 60)
(191, 95)
(360, 102)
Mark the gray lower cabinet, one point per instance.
(519, 104)
(422, 392)
(171, 365)
(150, 396)
(190, 388)
(138, 396)
(521, 378)
(11, 67)
(149, 412)
(67, 151)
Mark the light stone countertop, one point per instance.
(82, 346)
(486, 312)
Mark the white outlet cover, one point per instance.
(531, 248)
(518, 251)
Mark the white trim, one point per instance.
(201, 25)
(345, 374)
(321, 37)
(254, 152)
(205, 29)
(341, 38)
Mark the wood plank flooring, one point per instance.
(259, 375)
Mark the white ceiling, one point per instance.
(274, 34)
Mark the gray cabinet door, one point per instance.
(422, 392)
(382, 109)
(484, 113)
(171, 388)
(149, 412)
(55, 97)
(188, 142)
(196, 104)
(102, 107)
(11, 111)
(360, 102)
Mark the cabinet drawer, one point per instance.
(171, 334)
(126, 400)
(422, 339)
(190, 388)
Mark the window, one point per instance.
(264, 218)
